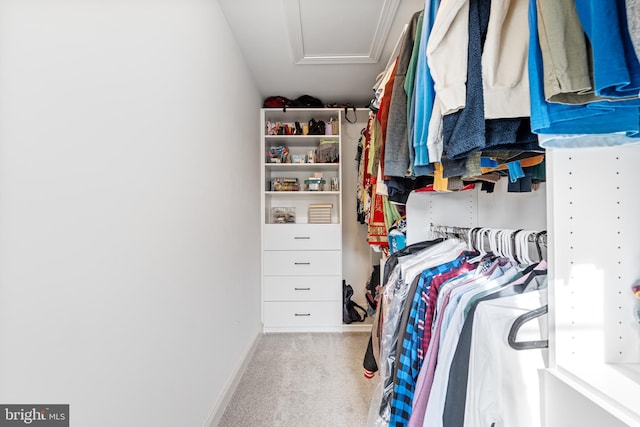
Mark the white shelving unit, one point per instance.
(302, 261)
(594, 231)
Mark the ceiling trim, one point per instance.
(294, 24)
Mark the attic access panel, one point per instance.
(338, 31)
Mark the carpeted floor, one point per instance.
(303, 380)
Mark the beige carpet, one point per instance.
(303, 380)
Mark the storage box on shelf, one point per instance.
(302, 246)
(320, 213)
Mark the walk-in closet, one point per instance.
(277, 213)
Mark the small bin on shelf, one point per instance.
(284, 184)
(314, 184)
(283, 215)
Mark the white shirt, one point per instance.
(504, 59)
(503, 386)
(435, 406)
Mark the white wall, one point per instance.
(129, 223)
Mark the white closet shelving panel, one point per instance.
(502, 209)
(594, 229)
(454, 209)
(475, 208)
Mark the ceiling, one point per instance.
(330, 49)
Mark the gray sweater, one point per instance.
(396, 149)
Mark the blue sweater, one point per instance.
(594, 118)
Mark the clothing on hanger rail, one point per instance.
(426, 320)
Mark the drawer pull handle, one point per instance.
(302, 238)
(302, 263)
(303, 314)
(302, 289)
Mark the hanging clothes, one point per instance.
(436, 402)
(396, 152)
(426, 330)
(600, 123)
(411, 347)
(424, 96)
(393, 296)
(495, 76)
(459, 373)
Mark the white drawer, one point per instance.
(302, 288)
(302, 314)
(302, 237)
(302, 263)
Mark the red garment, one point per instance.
(377, 230)
(383, 115)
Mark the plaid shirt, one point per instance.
(409, 361)
(430, 295)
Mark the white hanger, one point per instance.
(470, 238)
(520, 250)
(494, 242)
(524, 246)
(514, 235)
(480, 245)
(507, 250)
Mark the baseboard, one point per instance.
(357, 327)
(232, 383)
(353, 327)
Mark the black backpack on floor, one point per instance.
(350, 308)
